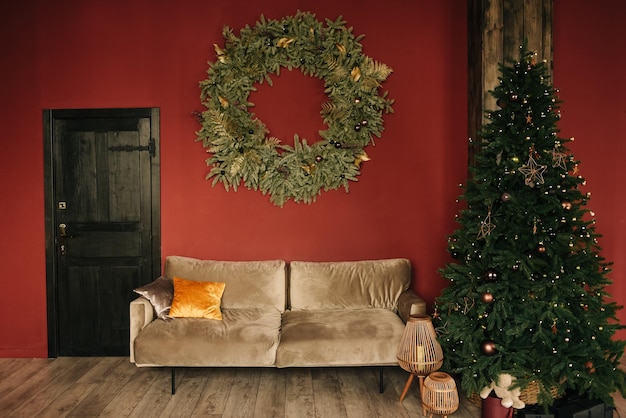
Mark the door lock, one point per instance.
(63, 237)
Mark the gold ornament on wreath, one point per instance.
(239, 143)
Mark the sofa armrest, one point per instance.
(141, 314)
(409, 303)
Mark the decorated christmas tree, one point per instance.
(527, 294)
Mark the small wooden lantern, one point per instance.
(439, 394)
(419, 352)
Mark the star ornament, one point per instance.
(486, 227)
(533, 172)
(559, 159)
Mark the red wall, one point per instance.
(589, 70)
(91, 54)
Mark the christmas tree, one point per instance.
(527, 293)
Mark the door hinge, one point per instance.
(151, 147)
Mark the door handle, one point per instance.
(63, 236)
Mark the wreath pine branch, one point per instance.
(240, 148)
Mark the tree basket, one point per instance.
(530, 394)
(476, 400)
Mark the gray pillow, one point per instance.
(160, 294)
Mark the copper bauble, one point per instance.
(486, 297)
(488, 348)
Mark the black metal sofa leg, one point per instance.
(173, 380)
(381, 387)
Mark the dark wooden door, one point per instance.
(103, 224)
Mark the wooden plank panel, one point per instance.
(474, 76)
(79, 166)
(466, 407)
(104, 244)
(216, 392)
(110, 387)
(65, 404)
(115, 387)
(15, 374)
(546, 50)
(132, 393)
(514, 34)
(9, 367)
(386, 403)
(77, 301)
(67, 372)
(271, 395)
(356, 395)
(157, 396)
(102, 178)
(327, 391)
(124, 177)
(243, 394)
(299, 398)
(22, 393)
(116, 284)
(493, 50)
(397, 378)
(533, 24)
(99, 371)
(183, 403)
(504, 24)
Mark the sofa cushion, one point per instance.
(249, 284)
(197, 299)
(160, 294)
(348, 284)
(244, 337)
(354, 337)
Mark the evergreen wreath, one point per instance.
(238, 142)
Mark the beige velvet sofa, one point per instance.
(278, 314)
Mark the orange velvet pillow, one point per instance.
(196, 299)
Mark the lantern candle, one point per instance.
(419, 352)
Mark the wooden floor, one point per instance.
(113, 387)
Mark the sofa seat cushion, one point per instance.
(244, 337)
(351, 337)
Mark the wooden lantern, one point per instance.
(439, 394)
(419, 352)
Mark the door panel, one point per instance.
(103, 223)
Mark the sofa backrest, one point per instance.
(348, 284)
(249, 284)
